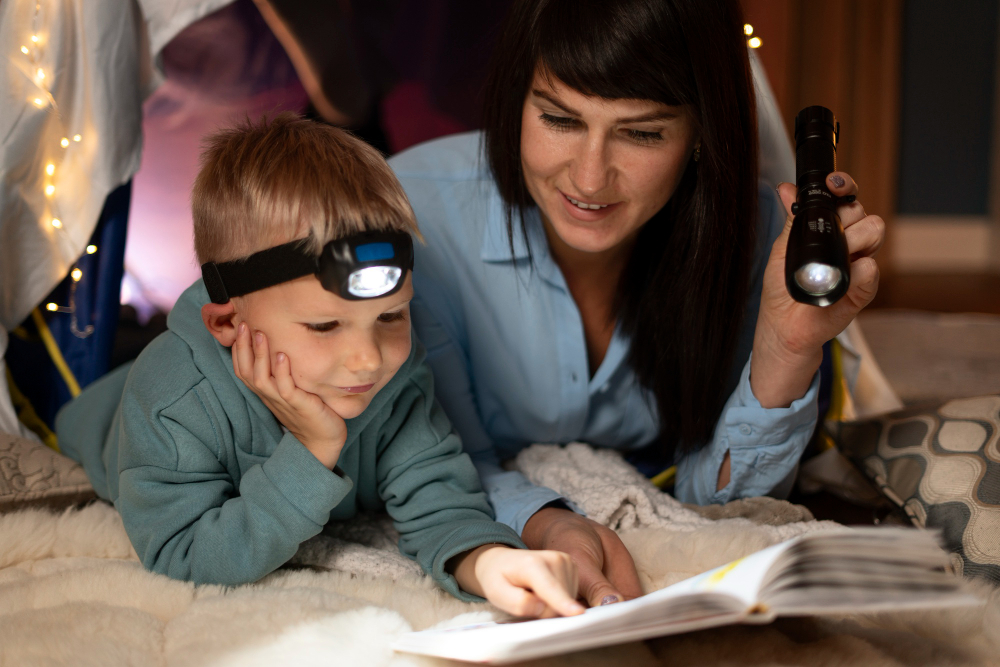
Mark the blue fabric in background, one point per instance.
(97, 302)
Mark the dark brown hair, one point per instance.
(682, 297)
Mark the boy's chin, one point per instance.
(349, 407)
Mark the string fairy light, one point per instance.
(752, 42)
(49, 188)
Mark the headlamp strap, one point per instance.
(260, 270)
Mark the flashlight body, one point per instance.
(817, 266)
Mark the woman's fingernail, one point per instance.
(837, 180)
(609, 599)
(777, 188)
(243, 328)
(281, 357)
(576, 607)
(258, 338)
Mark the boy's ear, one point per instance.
(220, 320)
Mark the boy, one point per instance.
(288, 391)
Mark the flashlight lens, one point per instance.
(817, 279)
(373, 281)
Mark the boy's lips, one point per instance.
(357, 389)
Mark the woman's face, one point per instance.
(599, 169)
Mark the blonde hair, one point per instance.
(267, 182)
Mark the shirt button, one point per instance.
(573, 376)
(745, 429)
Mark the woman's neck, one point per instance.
(592, 279)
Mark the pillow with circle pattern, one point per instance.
(941, 465)
(32, 475)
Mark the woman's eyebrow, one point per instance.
(642, 118)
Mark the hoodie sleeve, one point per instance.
(185, 514)
(430, 487)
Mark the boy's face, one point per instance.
(343, 351)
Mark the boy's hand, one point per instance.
(541, 584)
(319, 428)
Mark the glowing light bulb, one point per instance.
(64, 143)
(38, 101)
(49, 190)
(91, 249)
(755, 42)
(747, 29)
(40, 74)
(57, 223)
(77, 274)
(24, 50)
(51, 307)
(34, 39)
(77, 137)
(50, 169)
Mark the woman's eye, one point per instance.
(323, 327)
(558, 122)
(641, 137)
(398, 316)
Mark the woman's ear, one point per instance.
(220, 320)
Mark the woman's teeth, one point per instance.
(580, 204)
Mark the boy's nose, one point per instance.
(365, 356)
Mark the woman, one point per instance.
(603, 271)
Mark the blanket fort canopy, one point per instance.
(74, 75)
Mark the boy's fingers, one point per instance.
(283, 377)
(553, 592)
(242, 354)
(261, 362)
(517, 601)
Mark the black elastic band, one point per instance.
(260, 270)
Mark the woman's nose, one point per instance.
(590, 169)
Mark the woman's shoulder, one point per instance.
(455, 157)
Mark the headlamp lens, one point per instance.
(373, 281)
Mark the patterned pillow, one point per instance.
(942, 466)
(33, 475)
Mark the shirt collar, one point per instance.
(496, 241)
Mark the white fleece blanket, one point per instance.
(72, 592)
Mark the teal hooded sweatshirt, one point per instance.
(212, 490)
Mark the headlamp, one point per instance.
(363, 266)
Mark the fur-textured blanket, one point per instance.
(73, 592)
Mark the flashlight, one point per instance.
(817, 266)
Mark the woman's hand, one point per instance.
(321, 430)
(539, 584)
(788, 342)
(607, 572)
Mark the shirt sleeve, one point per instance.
(430, 487)
(187, 519)
(513, 497)
(764, 444)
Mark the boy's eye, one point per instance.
(323, 326)
(392, 317)
(558, 122)
(641, 137)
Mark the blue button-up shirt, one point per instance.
(506, 343)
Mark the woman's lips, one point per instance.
(359, 389)
(586, 214)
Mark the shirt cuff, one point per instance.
(515, 499)
(764, 446)
(307, 484)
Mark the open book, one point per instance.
(828, 572)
